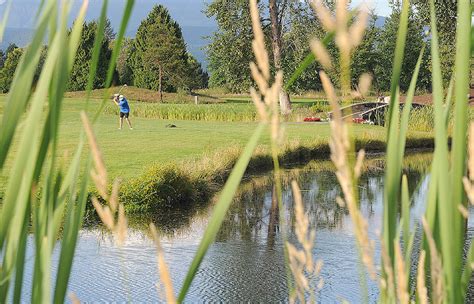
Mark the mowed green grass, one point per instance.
(128, 152)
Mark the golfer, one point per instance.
(122, 103)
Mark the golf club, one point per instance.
(125, 85)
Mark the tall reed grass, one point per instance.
(443, 273)
(60, 205)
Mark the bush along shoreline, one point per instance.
(164, 187)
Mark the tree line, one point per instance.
(289, 26)
(155, 59)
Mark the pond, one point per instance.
(246, 263)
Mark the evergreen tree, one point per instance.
(80, 72)
(159, 58)
(124, 69)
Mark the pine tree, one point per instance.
(80, 71)
(159, 58)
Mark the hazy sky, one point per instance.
(381, 6)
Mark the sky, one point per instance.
(381, 6)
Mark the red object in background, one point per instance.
(312, 119)
(358, 120)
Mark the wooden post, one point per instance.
(196, 101)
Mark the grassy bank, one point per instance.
(167, 186)
(163, 167)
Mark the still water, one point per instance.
(245, 264)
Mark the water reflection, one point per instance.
(245, 264)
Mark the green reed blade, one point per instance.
(449, 234)
(398, 59)
(407, 108)
(221, 207)
(459, 154)
(17, 194)
(18, 97)
(71, 231)
(449, 100)
(20, 264)
(3, 23)
(405, 211)
(392, 180)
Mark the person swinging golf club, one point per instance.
(122, 103)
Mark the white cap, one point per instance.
(121, 97)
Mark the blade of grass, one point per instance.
(407, 108)
(447, 208)
(221, 208)
(17, 194)
(3, 24)
(405, 212)
(20, 90)
(71, 232)
(20, 265)
(398, 59)
(459, 142)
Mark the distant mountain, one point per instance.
(188, 13)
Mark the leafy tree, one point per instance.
(79, 75)
(8, 70)
(230, 50)
(386, 51)
(304, 27)
(446, 21)
(364, 58)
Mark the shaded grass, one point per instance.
(164, 187)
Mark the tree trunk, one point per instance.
(285, 104)
(273, 221)
(160, 89)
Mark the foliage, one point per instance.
(159, 59)
(365, 56)
(446, 20)
(9, 67)
(30, 218)
(124, 68)
(386, 52)
(229, 62)
(79, 75)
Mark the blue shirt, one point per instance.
(123, 105)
